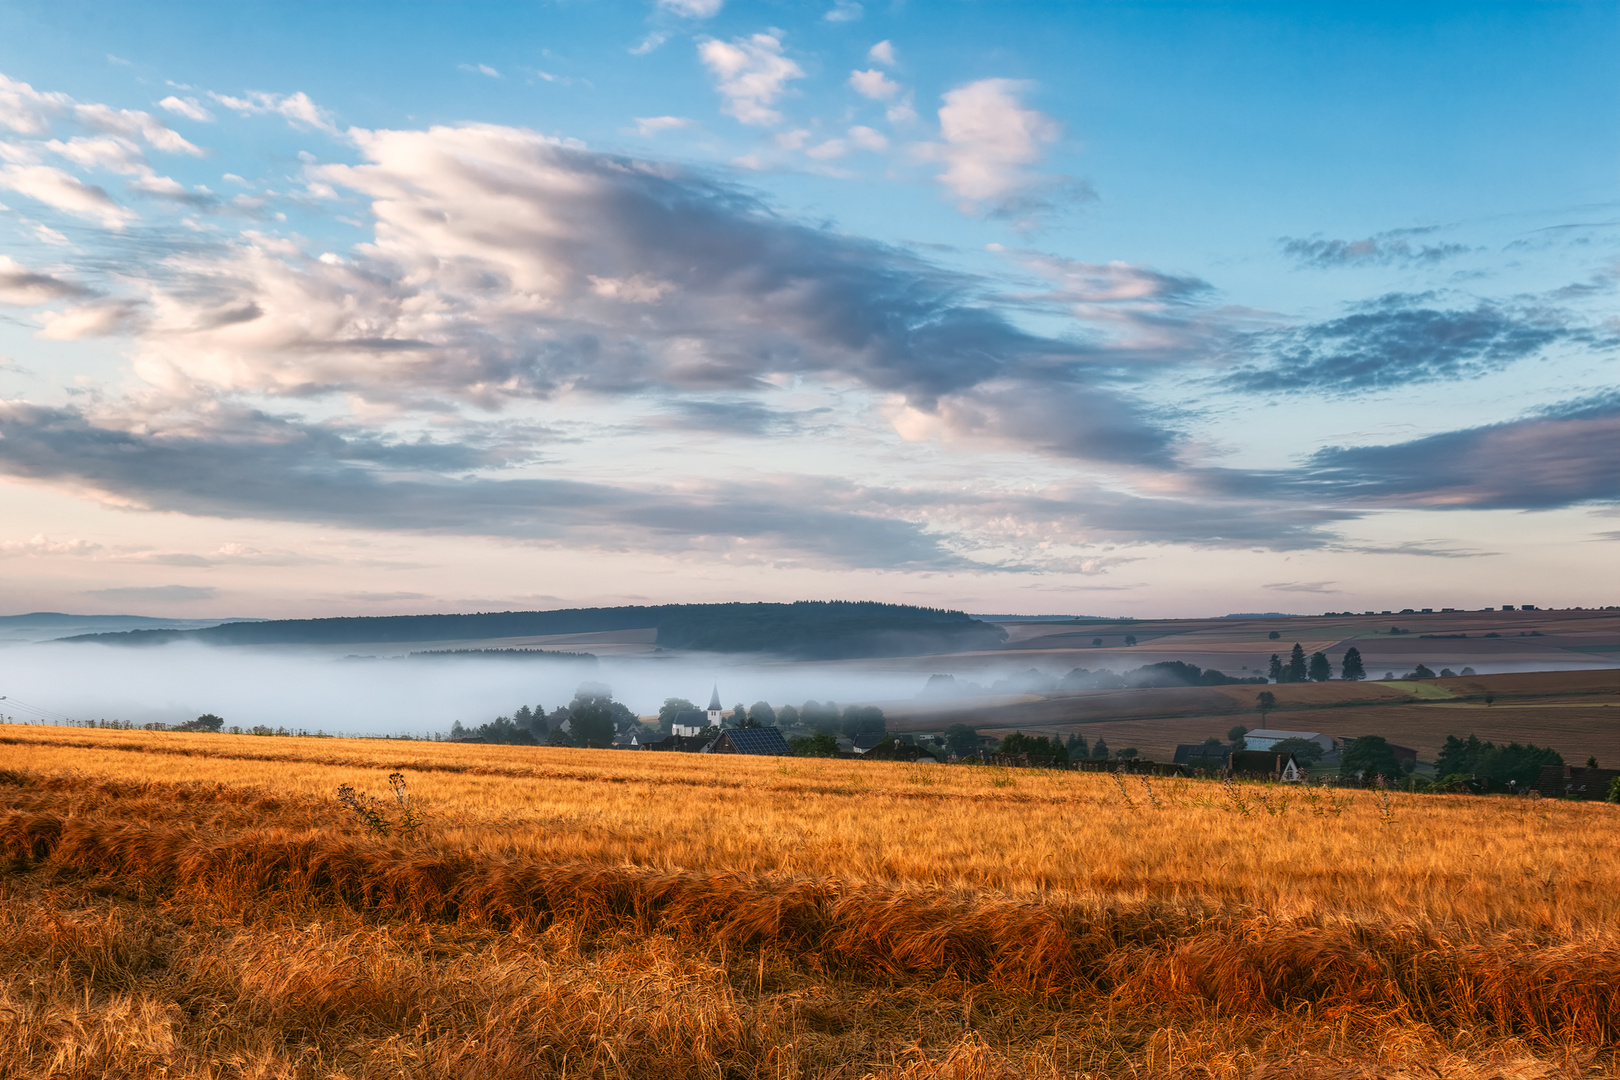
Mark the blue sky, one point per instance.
(1137, 308)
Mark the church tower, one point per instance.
(714, 707)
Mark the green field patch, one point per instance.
(1425, 690)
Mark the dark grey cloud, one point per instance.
(278, 470)
(735, 416)
(1562, 457)
(24, 287)
(1382, 249)
(1398, 340)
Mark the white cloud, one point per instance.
(832, 148)
(33, 112)
(874, 84)
(90, 320)
(57, 189)
(652, 125)
(23, 287)
(298, 109)
(751, 74)
(844, 11)
(693, 9)
(868, 139)
(793, 140)
(107, 152)
(882, 53)
(41, 545)
(190, 108)
(992, 142)
(481, 69)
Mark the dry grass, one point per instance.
(192, 905)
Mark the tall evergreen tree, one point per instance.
(1321, 669)
(1278, 672)
(1353, 671)
(1297, 671)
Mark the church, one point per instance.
(694, 722)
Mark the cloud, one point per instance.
(23, 287)
(738, 416)
(31, 112)
(882, 53)
(844, 11)
(992, 147)
(255, 466)
(751, 74)
(42, 546)
(190, 108)
(1319, 587)
(385, 597)
(58, 189)
(1397, 341)
(481, 69)
(1382, 249)
(156, 594)
(652, 125)
(693, 9)
(874, 84)
(1563, 457)
(102, 319)
(297, 109)
(867, 139)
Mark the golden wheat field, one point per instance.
(192, 905)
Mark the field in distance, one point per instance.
(1574, 712)
(188, 905)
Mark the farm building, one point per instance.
(761, 741)
(1203, 755)
(1575, 782)
(1266, 738)
(1265, 763)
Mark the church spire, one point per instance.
(714, 699)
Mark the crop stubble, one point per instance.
(189, 905)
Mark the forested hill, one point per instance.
(807, 629)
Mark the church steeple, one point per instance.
(714, 707)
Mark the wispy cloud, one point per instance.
(751, 74)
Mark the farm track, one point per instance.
(1169, 958)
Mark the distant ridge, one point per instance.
(806, 629)
(1262, 615)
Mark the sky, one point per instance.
(1091, 308)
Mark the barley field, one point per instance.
(194, 905)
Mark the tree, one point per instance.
(1306, 751)
(863, 719)
(820, 744)
(787, 716)
(1265, 703)
(1278, 672)
(1035, 746)
(1274, 636)
(1099, 750)
(1096, 643)
(819, 716)
(671, 708)
(594, 716)
(206, 722)
(1128, 753)
(1370, 756)
(761, 713)
(1422, 671)
(1236, 734)
(1130, 639)
(739, 715)
(1321, 669)
(1467, 671)
(1077, 748)
(1352, 671)
(961, 740)
(1496, 766)
(1296, 664)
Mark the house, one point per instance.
(898, 751)
(867, 741)
(1575, 782)
(760, 741)
(1258, 763)
(1203, 755)
(693, 722)
(1266, 738)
